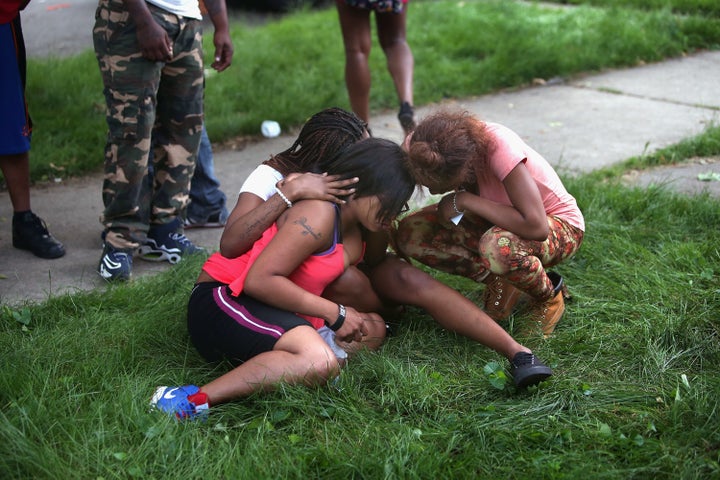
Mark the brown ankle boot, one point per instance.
(499, 297)
(547, 314)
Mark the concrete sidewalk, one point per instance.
(579, 126)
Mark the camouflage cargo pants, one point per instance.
(148, 103)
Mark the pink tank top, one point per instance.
(313, 275)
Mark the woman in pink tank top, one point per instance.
(263, 311)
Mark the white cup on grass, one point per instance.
(270, 128)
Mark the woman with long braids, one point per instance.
(263, 311)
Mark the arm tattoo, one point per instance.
(307, 229)
(267, 219)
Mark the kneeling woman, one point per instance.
(263, 310)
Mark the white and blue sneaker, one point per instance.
(167, 243)
(183, 402)
(115, 265)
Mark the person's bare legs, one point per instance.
(355, 26)
(403, 283)
(391, 32)
(300, 356)
(16, 170)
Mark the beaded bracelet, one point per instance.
(455, 204)
(282, 195)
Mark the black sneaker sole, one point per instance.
(47, 254)
(531, 376)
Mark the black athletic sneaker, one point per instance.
(527, 370)
(115, 265)
(29, 232)
(166, 243)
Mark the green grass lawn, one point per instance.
(636, 390)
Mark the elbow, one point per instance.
(230, 248)
(225, 245)
(536, 230)
(226, 251)
(252, 287)
(540, 232)
(262, 285)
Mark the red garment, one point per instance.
(313, 275)
(9, 9)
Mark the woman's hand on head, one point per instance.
(314, 186)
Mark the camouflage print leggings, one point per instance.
(475, 248)
(145, 99)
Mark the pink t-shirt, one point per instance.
(508, 151)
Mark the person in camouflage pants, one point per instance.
(151, 62)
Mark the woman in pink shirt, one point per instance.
(508, 218)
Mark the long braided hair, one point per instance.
(323, 136)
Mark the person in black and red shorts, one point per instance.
(29, 232)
